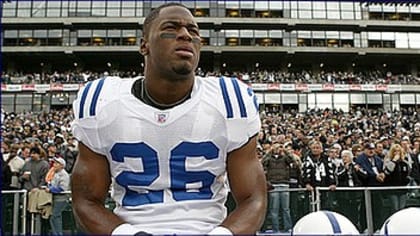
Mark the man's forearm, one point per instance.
(94, 218)
(248, 216)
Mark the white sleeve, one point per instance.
(245, 121)
(85, 108)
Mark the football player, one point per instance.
(169, 144)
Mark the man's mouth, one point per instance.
(184, 51)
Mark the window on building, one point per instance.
(346, 39)
(375, 16)
(38, 8)
(129, 37)
(276, 37)
(41, 35)
(232, 41)
(304, 38)
(128, 8)
(53, 8)
(84, 37)
(9, 8)
(347, 10)
(319, 10)
(98, 8)
(98, 37)
(25, 38)
(318, 39)
(55, 37)
(205, 37)
(10, 38)
(114, 37)
(24, 8)
(83, 8)
(375, 43)
(401, 40)
(333, 10)
(414, 40)
(113, 8)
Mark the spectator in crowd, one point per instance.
(318, 171)
(57, 186)
(70, 154)
(349, 174)
(295, 166)
(379, 150)
(356, 150)
(334, 156)
(258, 76)
(397, 170)
(276, 164)
(32, 177)
(415, 157)
(25, 153)
(295, 181)
(373, 165)
(51, 153)
(60, 144)
(15, 164)
(6, 178)
(33, 172)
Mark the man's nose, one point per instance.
(184, 34)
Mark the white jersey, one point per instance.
(168, 166)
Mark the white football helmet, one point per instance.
(403, 222)
(324, 223)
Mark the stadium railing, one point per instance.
(302, 202)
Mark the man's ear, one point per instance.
(144, 47)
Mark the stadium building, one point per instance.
(300, 40)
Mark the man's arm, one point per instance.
(90, 183)
(248, 186)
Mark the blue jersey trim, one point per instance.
(241, 103)
(386, 233)
(98, 89)
(255, 100)
(226, 98)
(83, 99)
(334, 223)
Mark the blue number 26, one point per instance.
(180, 177)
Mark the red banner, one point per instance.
(28, 87)
(56, 87)
(328, 87)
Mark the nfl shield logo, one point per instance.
(162, 117)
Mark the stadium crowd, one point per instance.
(257, 76)
(338, 140)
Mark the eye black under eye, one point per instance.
(169, 27)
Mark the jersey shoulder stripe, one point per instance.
(98, 89)
(233, 97)
(83, 99)
(239, 98)
(226, 99)
(85, 104)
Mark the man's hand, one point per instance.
(380, 177)
(309, 187)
